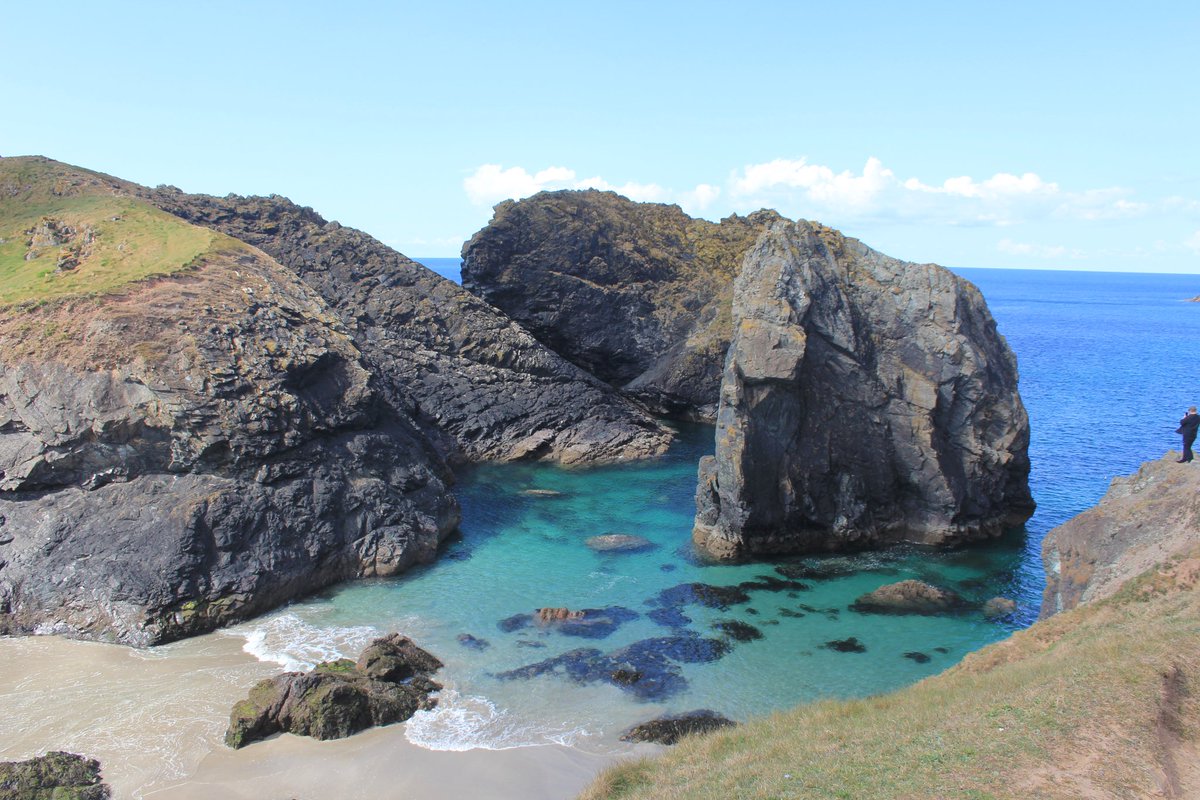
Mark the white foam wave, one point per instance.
(288, 640)
(469, 723)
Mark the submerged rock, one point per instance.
(637, 294)
(54, 776)
(619, 543)
(865, 400)
(999, 607)
(673, 727)
(389, 683)
(702, 594)
(920, 658)
(738, 630)
(473, 642)
(850, 645)
(909, 597)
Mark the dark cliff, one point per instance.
(479, 385)
(192, 446)
(637, 294)
(865, 400)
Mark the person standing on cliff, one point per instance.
(1188, 426)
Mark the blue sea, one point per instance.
(1106, 372)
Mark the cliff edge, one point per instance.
(1144, 519)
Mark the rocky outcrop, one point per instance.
(865, 400)
(389, 683)
(637, 294)
(909, 597)
(196, 448)
(479, 385)
(1143, 520)
(54, 776)
(671, 728)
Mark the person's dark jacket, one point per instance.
(1188, 426)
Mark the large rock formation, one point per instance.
(864, 400)
(54, 776)
(478, 384)
(195, 448)
(1143, 520)
(192, 433)
(638, 294)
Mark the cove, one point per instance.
(663, 631)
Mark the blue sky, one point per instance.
(1032, 135)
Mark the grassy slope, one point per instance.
(1092, 703)
(132, 240)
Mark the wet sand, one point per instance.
(156, 718)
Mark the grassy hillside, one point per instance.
(67, 232)
(1099, 702)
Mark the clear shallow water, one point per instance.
(1104, 379)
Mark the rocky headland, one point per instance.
(479, 385)
(194, 446)
(1143, 520)
(638, 294)
(864, 401)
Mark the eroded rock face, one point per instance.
(479, 385)
(638, 294)
(865, 400)
(197, 450)
(389, 683)
(1145, 519)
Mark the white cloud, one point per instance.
(877, 194)
(1193, 243)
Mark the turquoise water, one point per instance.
(1102, 377)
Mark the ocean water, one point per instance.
(1105, 376)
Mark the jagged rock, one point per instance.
(544, 615)
(671, 728)
(480, 386)
(389, 684)
(999, 607)
(619, 543)
(195, 449)
(54, 776)
(909, 597)
(865, 400)
(638, 294)
(1143, 520)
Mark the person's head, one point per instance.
(1192, 410)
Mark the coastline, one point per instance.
(155, 719)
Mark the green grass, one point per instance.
(132, 241)
(1072, 707)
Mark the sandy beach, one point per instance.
(155, 719)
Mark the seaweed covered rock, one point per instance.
(865, 401)
(54, 776)
(671, 728)
(909, 597)
(637, 294)
(389, 683)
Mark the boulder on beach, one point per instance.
(671, 728)
(619, 543)
(54, 776)
(909, 597)
(389, 683)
